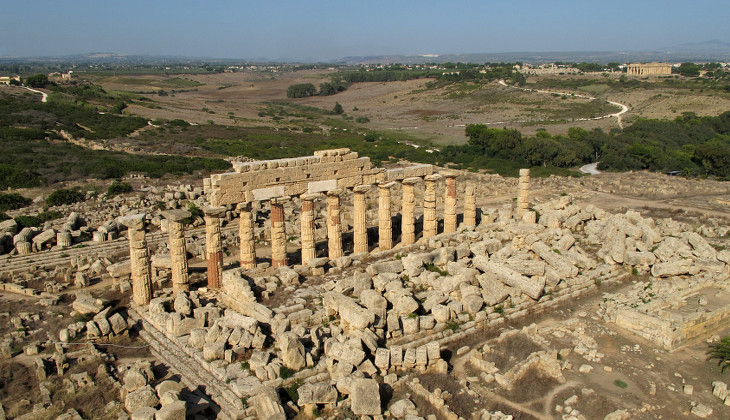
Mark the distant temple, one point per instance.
(649, 69)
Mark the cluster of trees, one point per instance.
(691, 144)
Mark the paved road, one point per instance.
(591, 168)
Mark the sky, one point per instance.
(327, 30)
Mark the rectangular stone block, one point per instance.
(268, 193)
(322, 186)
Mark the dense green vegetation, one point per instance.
(13, 201)
(35, 154)
(118, 188)
(64, 197)
(690, 144)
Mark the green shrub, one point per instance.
(721, 351)
(13, 201)
(28, 221)
(4, 217)
(118, 188)
(621, 384)
(362, 120)
(65, 196)
(286, 373)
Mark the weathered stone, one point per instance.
(142, 397)
(671, 268)
(173, 411)
(267, 404)
(365, 397)
(531, 287)
(318, 393)
(213, 351)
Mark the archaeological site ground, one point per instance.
(217, 250)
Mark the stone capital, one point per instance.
(412, 180)
(246, 206)
(211, 211)
(433, 177)
(133, 221)
(335, 192)
(362, 188)
(310, 196)
(176, 215)
(389, 184)
(449, 174)
(279, 200)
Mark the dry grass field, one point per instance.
(433, 114)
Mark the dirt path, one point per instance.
(624, 108)
(44, 97)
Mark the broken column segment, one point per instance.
(430, 222)
(450, 202)
(278, 232)
(213, 246)
(178, 253)
(139, 257)
(245, 236)
(307, 229)
(334, 228)
(360, 219)
(385, 222)
(408, 229)
(523, 192)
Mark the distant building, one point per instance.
(649, 69)
(5, 80)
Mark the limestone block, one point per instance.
(531, 287)
(318, 393)
(343, 352)
(554, 259)
(671, 268)
(173, 411)
(441, 313)
(382, 358)
(395, 266)
(118, 323)
(472, 303)
(365, 395)
(700, 247)
(142, 397)
(405, 305)
(267, 404)
(640, 258)
(183, 305)
(143, 413)
(213, 351)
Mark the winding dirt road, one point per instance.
(618, 115)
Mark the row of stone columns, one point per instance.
(140, 255)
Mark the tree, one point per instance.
(301, 90)
(689, 69)
(338, 109)
(37, 81)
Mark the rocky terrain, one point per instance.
(598, 302)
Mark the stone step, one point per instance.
(192, 374)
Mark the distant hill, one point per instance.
(713, 50)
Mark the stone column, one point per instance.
(470, 207)
(63, 239)
(450, 203)
(523, 192)
(307, 219)
(408, 225)
(245, 236)
(360, 219)
(385, 221)
(178, 254)
(139, 258)
(213, 245)
(430, 222)
(278, 232)
(334, 228)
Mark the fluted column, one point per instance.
(385, 221)
(523, 192)
(360, 219)
(450, 203)
(278, 232)
(334, 228)
(245, 236)
(307, 229)
(470, 207)
(178, 253)
(213, 244)
(408, 225)
(139, 258)
(430, 222)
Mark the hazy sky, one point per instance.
(325, 30)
